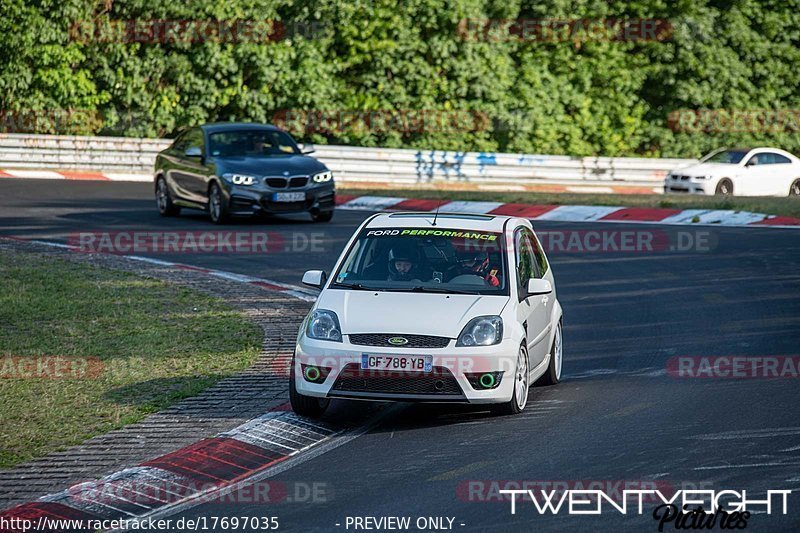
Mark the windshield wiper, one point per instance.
(356, 286)
(420, 288)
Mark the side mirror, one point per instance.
(315, 278)
(538, 286)
(308, 149)
(194, 151)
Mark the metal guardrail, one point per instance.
(355, 164)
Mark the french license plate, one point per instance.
(398, 363)
(288, 197)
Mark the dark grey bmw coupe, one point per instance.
(237, 169)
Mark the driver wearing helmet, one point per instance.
(403, 264)
(478, 263)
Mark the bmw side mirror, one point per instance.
(194, 151)
(308, 149)
(538, 286)
(315, 278)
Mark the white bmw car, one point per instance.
(740, 172)
(434, 308)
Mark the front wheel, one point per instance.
(794, 190)
(724, 188)
(553, 374)
(217, 205)
(305, 405)
(166, 208)
(521, 386)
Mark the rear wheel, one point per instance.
(164, 201)
(794, 190)
(322, 216)
(305, 405)
(217, 205)
(521, 387)
(724, 188)
(553, 374)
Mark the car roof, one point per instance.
(216, 127)
(464, 221)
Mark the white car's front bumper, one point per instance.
(687, 184)
(447, 382)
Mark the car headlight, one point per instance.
(323, 176)
(482, 331)
(239, 179)
(323, 325)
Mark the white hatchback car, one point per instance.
(433, 308)
(740, 172)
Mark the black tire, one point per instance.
(217, 205)
(794, 190)
(553, 374)
(322, 216)
(166, 207)
(305, 405)
(513, 407)
(724, 188)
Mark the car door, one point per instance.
(754, 179)
(532, 311)
(192, 172)
(779, 176)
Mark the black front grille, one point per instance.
(276, 183)
(414, 341)
(439, 381)
(299, 181)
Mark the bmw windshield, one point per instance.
(729, 157)
(251, 143)
(435, 260)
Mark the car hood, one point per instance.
(270, 166)
(443, 315)
(707, 169)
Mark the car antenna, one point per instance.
(436, 214)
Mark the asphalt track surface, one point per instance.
(618, 415)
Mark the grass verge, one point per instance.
(771, 206)
(85, 350)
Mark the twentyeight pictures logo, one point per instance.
(684, 509)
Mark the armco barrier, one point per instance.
(355, 165)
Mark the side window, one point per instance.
(758, 159)
(179, 145)
(778, 159)
(194, 137)
(538, 255)
(526, 268)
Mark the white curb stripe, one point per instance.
(578, 213)
(376, 203)
(466, 206)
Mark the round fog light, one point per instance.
(487, 381)
(312, 373)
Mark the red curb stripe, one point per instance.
(344, 198)
(522, 210)
(644, 214)
(34, 510)
(75, 175)
(203, 461)
(5, 175)
(269, 286)
(417, 204)
(778, 221)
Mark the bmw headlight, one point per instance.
(482, 331)
(239, 179)
(322, 177)
(323, 325)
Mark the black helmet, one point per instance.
(476, 260)
(403, 253)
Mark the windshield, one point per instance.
(731, 157)
(251, 143)
(425, 260)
